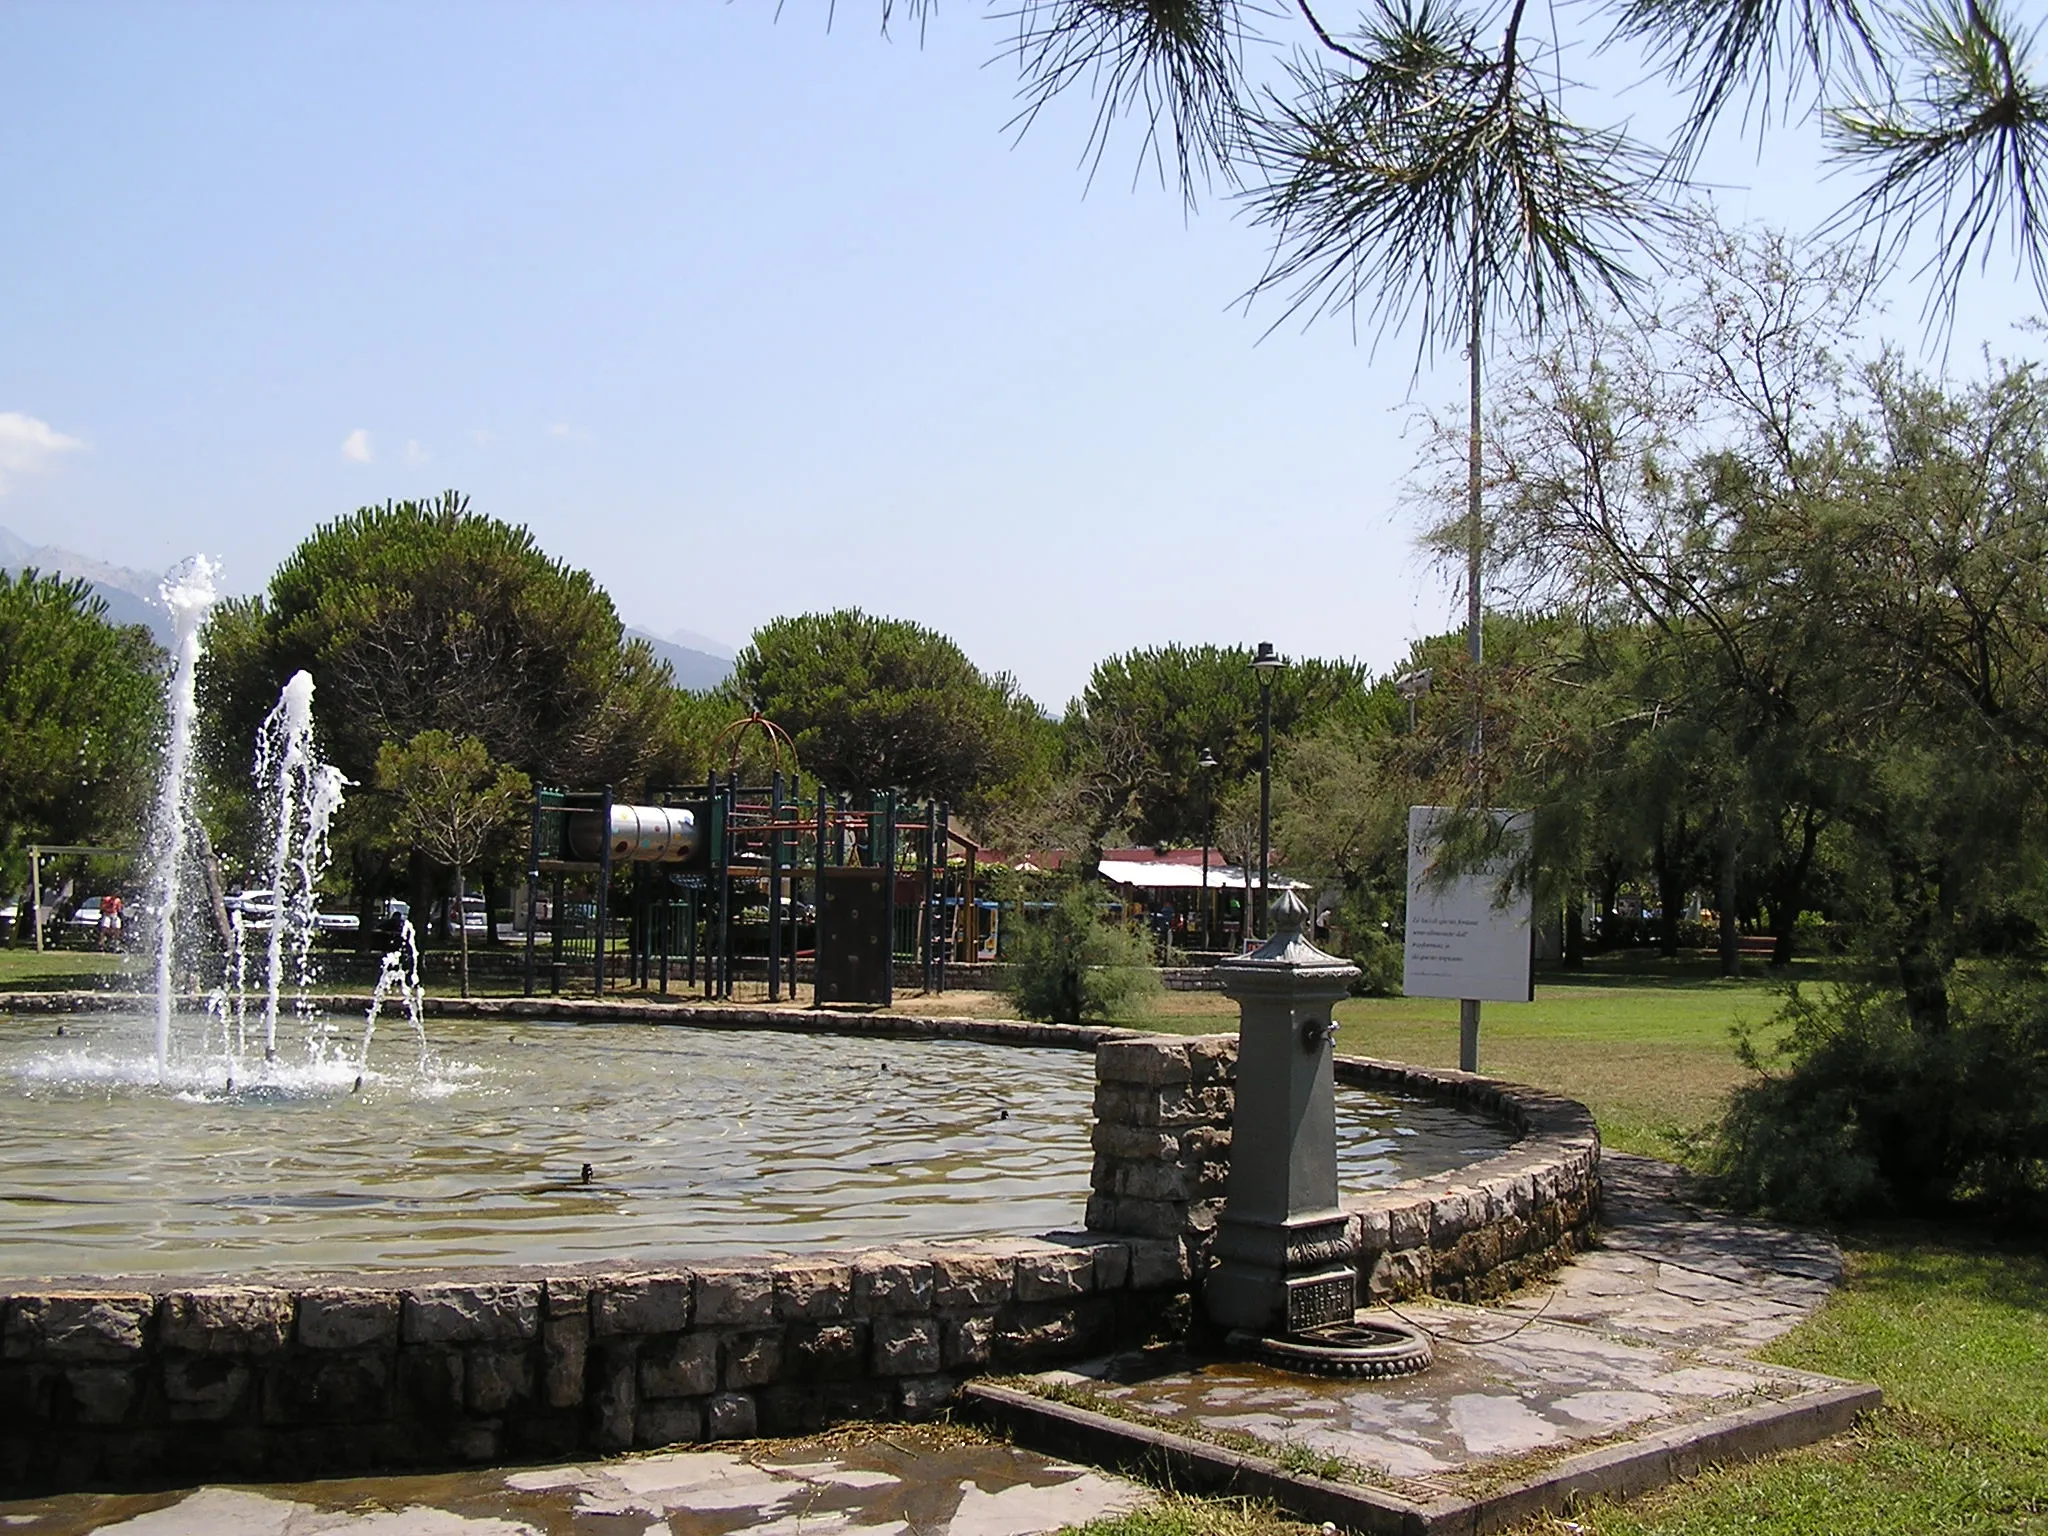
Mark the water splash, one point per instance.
(188, 592)
(401, 969)
(301, 795)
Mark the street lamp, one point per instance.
(1207, 764)
(1266, 663)
(1412, 686)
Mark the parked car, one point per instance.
(258, 908)
(337, 922)
(476, 918)
(391, 916)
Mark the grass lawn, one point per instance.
(1651, 1054)
(54, 970)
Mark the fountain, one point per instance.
(300, 795)
(189, 595)
(238, 1148)
(356, 1243)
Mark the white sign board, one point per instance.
(1459, 943)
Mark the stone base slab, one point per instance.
(1713, 1409)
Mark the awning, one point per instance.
(1184, 877)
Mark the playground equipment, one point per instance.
(728, 881)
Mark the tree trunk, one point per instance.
(1788, 895)
(1725, 897)
(1610, 898)
(1665, 865)
(1575, 932)
(420, 898)
(462, 928)
(215, 900)
(1923, 959)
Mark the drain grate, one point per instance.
(1368, 1350)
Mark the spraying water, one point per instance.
(401, 969)
(188, 593)
(301, 795)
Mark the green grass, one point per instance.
(1652, 1054)
(1176, 1514)
(55, 970)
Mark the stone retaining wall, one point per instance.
(104, 1385)
(1163, 1110)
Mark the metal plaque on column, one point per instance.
(854, 963)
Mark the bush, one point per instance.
(1859, 1113)
(1071, 966)
(1378, 956)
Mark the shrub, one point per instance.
(1857, 1112)
(1070, 965)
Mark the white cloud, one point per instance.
(29, 446)
(568, 433)
(415, 454)
(481, 437)
(356, 446)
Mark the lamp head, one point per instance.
(1267, 660)
(1206, 760)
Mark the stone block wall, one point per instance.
(1162, 1138)
(1164, 1108)
(109, 1385)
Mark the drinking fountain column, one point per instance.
(1284, 1262)
(1284, 1285)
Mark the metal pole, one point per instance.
(1265, 803)
(725, 887)
(35, 892)
(532, 889)
(604, 885)
(555, 940)
(1208, 837)
(1475, 540)
(882, 848)
(775, 887)
(930, 893)
(818, 895)
(796, 801)
(943, 947)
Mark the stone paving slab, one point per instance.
(1504, 1391)
(900, 1483)
(1626, 1371)
(1668, 1270)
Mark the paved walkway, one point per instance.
(902, 1482)
(1668, 1280)
(1668, 1271)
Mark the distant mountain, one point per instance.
(694, 669)
(690, 640)
(698, 661)
(130, 596)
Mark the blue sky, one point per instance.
(746, 316)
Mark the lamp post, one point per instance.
(1207, 764)
(1412, 686)
(1266, 662)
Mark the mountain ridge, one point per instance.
(697, 661)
